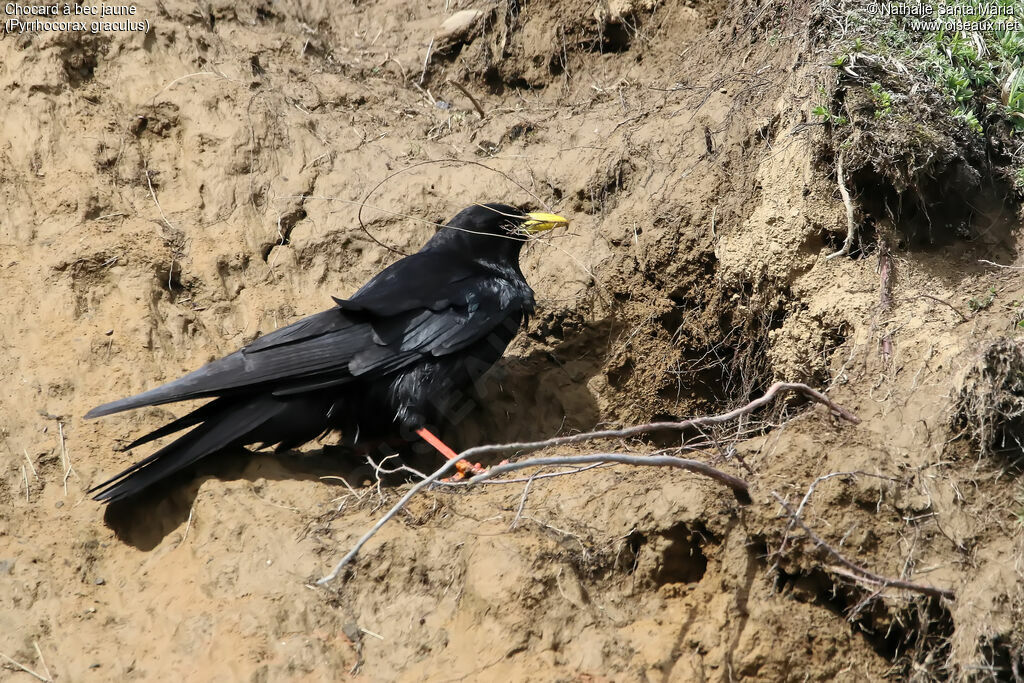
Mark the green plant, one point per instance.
(981, 72)
(969, 117)
(979, 304)
(882, 100)
(829, 117)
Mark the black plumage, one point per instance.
(384, 362)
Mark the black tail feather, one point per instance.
(224, 426)
(198, 415)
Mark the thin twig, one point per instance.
(810, 491)
(64, 456)
(42, 661)
(523, 480)
(426, 61)
(152, 192)
(26, 669)
(445, 469)
(29, 461)
(739, 486)
(156, 201)
(522, 503)
(860, 573)
(188, 523)
(479, 109)
(941, 301)
(363, 203)
(851, 223)
(343, 481)
(999, 265)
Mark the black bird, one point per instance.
(384, 362)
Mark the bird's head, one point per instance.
(497, 229)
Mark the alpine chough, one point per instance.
(384, 362)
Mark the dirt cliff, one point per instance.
(166, 197)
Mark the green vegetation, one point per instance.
(882, 100)
(828, 116)
(980, 73)
(978, 303)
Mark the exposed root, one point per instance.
(855, 571)
(851, 222)
(885, 294)
(740, 487)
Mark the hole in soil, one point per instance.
(285, 225)
(627, 559)
(682, 560)
(609, 38)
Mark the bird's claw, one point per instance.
(465, 470)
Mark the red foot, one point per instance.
(464, 467)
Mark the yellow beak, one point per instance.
(539, 222)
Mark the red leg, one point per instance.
(462, 466)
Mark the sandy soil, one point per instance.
(167, 197)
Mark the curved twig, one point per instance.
(739, 487)
(785, 387)
(857, 572)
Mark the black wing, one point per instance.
(423, 305)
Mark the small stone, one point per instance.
(459, 25)
(6, 567)
(59, 504)
(351, 631)
(100, 582)
(108, 333)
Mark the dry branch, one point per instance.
(857, 572)
(785, 387)
(739, 487)
(476, 104)
(885, 293)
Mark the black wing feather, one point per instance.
(395, 319)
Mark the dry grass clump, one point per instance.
(990, 407)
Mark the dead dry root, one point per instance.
(740, 488)
(990, 407)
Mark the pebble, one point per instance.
(457, 26)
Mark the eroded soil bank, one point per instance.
(167, 197)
